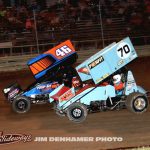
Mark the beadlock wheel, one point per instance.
(21, 104)
(77, 112)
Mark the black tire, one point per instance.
(77, 112)
(21, 104)
(137, 103)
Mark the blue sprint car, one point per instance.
(47, 69)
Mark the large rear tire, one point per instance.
(77, 112)
(137, 103)
(21, 104)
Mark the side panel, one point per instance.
(54, 92)
(63, 105)
(107, 61)
(141, 90)
(101, 71)
(130, 86)
(111, 60)
(86, 76)
(43, 88)
(43, 63)
(92, 94)
(99, 94)
(52, 59)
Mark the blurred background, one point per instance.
(34, 26)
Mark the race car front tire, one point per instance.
(21, 104)
(77, 112)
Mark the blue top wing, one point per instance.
(52, 58)
(107, 61)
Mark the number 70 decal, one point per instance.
(123, 50)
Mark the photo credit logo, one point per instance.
(78, 139)
(14, 138)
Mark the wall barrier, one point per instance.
(14, 63)
(79, 45)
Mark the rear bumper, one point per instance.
(11, 91)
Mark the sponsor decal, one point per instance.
(84, 70)
(48, 86)
(96, 62)
(44, 86)
(123, 50)
(13, 93)
(68, 95)
(62, 50)
(103, 77)
(130, 83)
(14, 138)
(120, 62)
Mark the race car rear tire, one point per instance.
(21, 104)
(137, 103)
(77, 112)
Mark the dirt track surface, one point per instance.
(42, 121)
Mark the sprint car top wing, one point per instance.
(51, 59)
(107, 61)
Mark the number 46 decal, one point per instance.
(123, 50)
(63, 51)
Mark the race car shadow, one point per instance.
(110, 121)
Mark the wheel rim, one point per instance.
(77, 113)
(21, 105)
(140, 103)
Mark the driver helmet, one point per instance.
(116, 78)
(76, 82)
